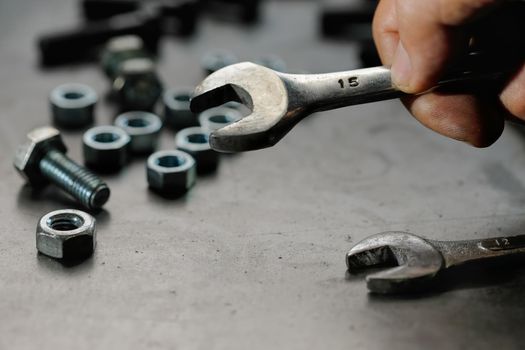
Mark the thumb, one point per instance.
(430, 37)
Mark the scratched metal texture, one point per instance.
(253, 257)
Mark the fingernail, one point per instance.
(401, 68)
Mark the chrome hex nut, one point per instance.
(66, 234)
(29, 154)
(137, 85)
(143, 128)
(196, 141)
(72, 105)
(171, 172)
(105, 148)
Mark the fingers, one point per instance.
(513, 96)
(419, 39)
(426, 45)
(476, 120)
(410, 38)
(385, 30)
(458, 12)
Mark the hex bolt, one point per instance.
(42, 159)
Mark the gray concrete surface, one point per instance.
(253, 257)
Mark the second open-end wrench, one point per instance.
(418, 260)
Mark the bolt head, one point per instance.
(29, 154)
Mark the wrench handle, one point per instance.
(460, 252)
(503, 243)
(317, 92)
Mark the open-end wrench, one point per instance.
(418, 260)
(278, 101)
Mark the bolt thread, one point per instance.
(76, 180)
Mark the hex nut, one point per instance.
(29, 154)
(171, 172)
(120, 49)
(137, 85)
(213, 61)
(66, 234)
(195, 141)
(177, 113)
(105, 148)
(143, 129)
(72, 105)
(217, 118)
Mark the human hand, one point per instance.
(420, 39)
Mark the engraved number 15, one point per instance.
(351, 82)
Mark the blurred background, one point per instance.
(253, 256)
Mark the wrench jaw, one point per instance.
(249, 133)
(243, 135)
(416, 262)
(262, 90)
(208, 97)
(253, 132)
(401, 279)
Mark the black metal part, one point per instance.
(106, 19)
(179, 17)
(84, 42)
(368, 54)
(103, 9)
(244, 11)
(351, 22)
